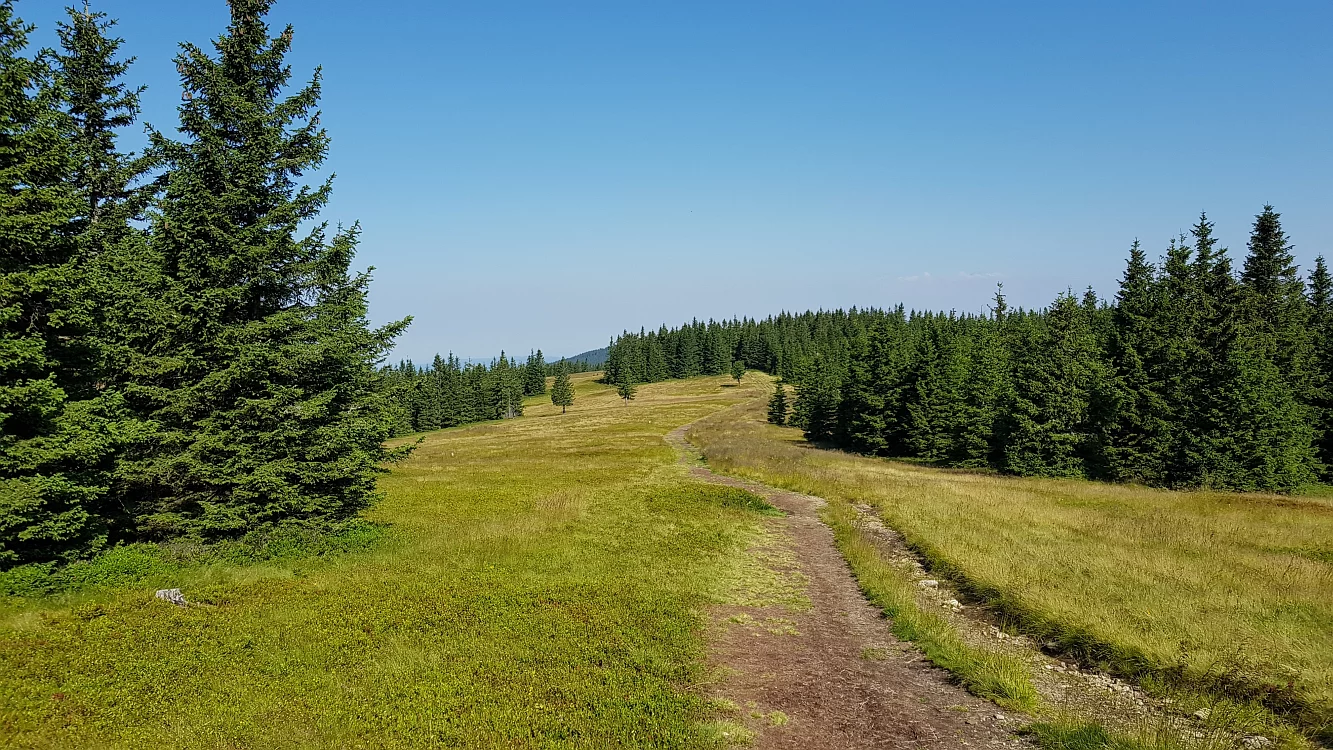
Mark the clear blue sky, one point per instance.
(545, 174)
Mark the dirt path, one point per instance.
(833, 676)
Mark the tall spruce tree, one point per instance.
(985, 392)
(1277, 297)
(777, 405)
(1275, 318)
(1321, 389)
(121, 283)
(534, 374)
(1135, 434)
(57, 428)
(272, 411)
(817, 400)
(1202, 447)
(90, 77)
(626, 389)
(860, 421)
(937, 400)
(562, 390)
(1050, 432)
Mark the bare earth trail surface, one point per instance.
(832, 675)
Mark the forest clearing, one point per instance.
(849, 476)
(557, 580)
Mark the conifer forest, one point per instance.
(1194, 374)
(235, 514)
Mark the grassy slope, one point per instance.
(539, 587)
(1124, 575)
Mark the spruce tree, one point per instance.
(53, 437)
(534, 374)
(562, 390)
(1135, 435)
(818, 397)
(719, 351)
(738, 370)
(90, 76)
(1049, 432)
(272, 411)
(1277, 297)
(1203, 446)
(1265, 441)
(777, 405)
(1321, 389)
(657, 364)
(61, 424)
(626, 389)
(936, 404)
(984, 398)
(860, 418)
(121, 283)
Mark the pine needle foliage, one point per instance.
(268, 402)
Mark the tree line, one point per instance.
(449, 393)
(1196, 374)
(784, 343)
(184, 350)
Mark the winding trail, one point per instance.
(834, 673)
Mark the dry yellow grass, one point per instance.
(1233, 591)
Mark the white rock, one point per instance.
(1256, 741)
(929, 583)
(174, 596)
(954, 603)
(1202, 714)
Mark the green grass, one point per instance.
(539, 584)
(1228, 594)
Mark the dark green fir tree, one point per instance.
(738, 370)
(1058, 371)
(777, 404)
(626, 389)
(534, 374)
(1135, 434)
(1277, 299)
(272, 411)
(1321, 328)
(562, 390)
(54, 435)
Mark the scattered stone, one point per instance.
(929, 583)
(954, 603)
(172, 596)
(1256, 740)
(999, 717)
(1202, 714)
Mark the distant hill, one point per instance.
(594, 358)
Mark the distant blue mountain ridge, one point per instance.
(594, 357)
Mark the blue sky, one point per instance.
(545, 174)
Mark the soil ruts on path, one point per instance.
(833, 676)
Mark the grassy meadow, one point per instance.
(539, 584)
(1228, 592)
